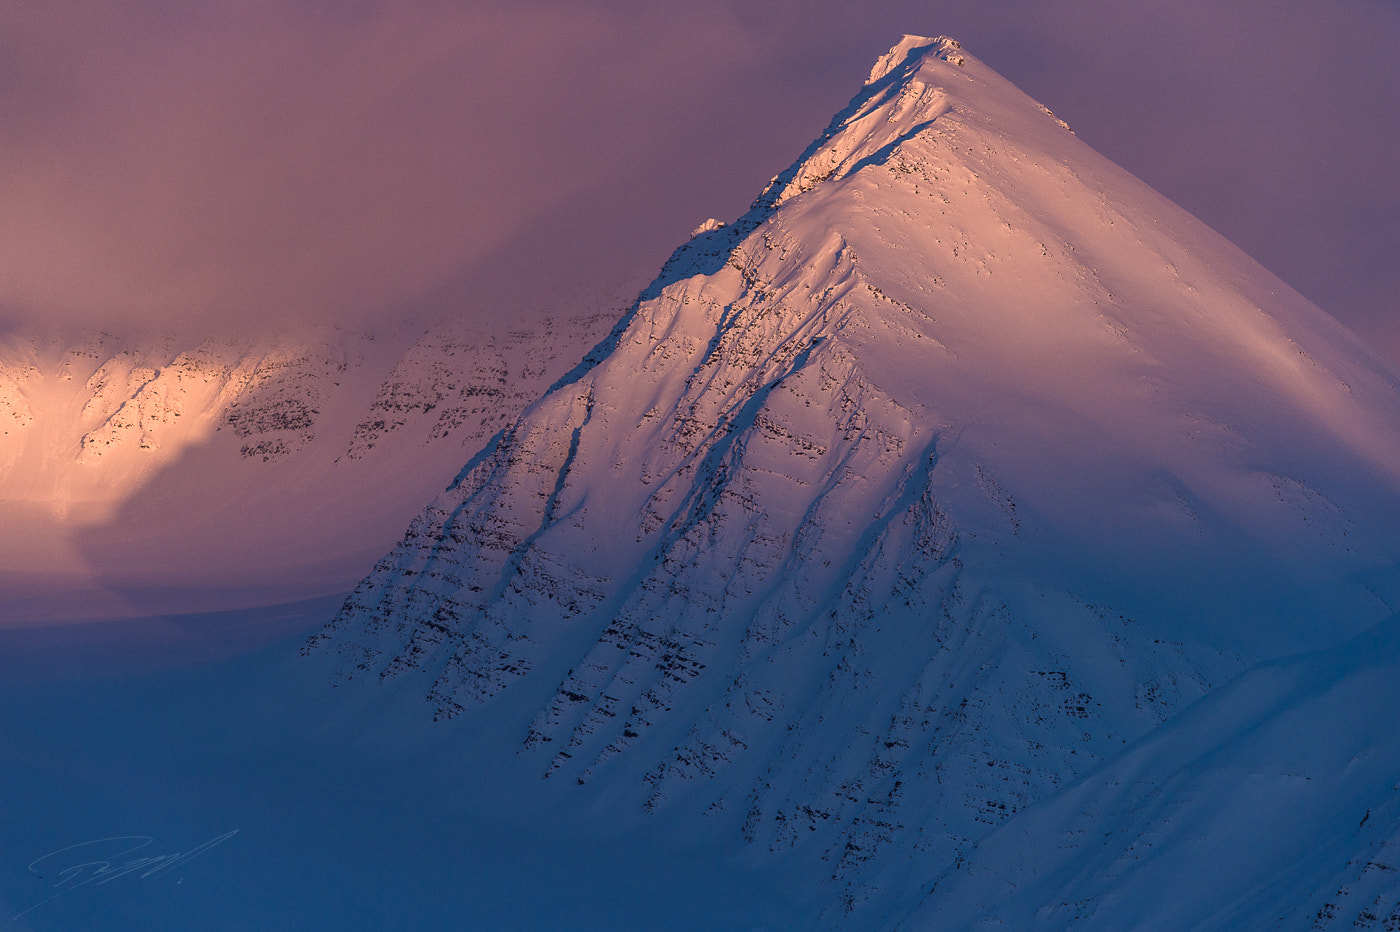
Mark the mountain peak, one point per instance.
(960, 460)
(912, 86)
(904, 52)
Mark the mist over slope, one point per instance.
(959, 465)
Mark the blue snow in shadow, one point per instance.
(225, 794)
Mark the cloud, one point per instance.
(260, 160)
(245, 162)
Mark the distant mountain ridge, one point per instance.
(154, 463)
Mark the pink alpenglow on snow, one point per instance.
(959, 463)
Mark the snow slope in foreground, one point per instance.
(1274, 802)
(222, 793)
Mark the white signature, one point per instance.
(103, 860)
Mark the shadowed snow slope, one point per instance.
(1271, 803)
(957, 464)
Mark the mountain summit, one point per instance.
(957, 465)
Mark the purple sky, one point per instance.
(169, 161)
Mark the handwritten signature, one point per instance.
(101, 861)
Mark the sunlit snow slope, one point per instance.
(959, 463)
(163, 473)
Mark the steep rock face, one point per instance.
(274, 398)
(468, 387)
(959, 462)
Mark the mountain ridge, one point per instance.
(957, 465)
(163, 465)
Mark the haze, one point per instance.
(224, 166)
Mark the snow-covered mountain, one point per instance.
(1272, 803)
(163, 472)
(952, 473)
